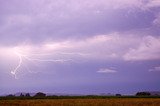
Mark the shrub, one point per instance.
(143, 94)
(40, 94)
(118, 95)
(28, 95)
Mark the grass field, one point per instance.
(84, 102)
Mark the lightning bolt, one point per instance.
(18, 66)
(26, 57)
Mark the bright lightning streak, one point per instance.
(18, 66)
(22, 56)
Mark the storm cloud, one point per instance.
(43, 20)
(96, 44)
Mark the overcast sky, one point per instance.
(79, 46)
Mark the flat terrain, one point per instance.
(84, 102)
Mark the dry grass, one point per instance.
(84, 102)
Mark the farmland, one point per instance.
(83, 102)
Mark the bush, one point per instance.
(21, 95)
(10, 95)
(40, 94)
(143, 94)
(28, 95)
(118, 95)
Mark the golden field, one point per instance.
(84, 102)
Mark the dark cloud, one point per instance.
(61, 45)
(36, 22)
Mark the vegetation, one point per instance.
(118, 95)
(143, 94)
(73, 97)
(84, 102)
(28, 95)
(40, 99)
(40, 94)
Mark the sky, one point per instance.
(79, 46)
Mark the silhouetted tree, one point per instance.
(28, 95)
(21, 95)
(40, 94)
(143, 94)
(118, 95)
(10, 95)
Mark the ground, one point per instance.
(83, 102)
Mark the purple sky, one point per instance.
(79, 46)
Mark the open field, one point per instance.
(83, 102)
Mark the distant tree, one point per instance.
(143, 94)
(21, 95)
(10, 95)
(118, 95)
(40, 94)
(27, 95)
